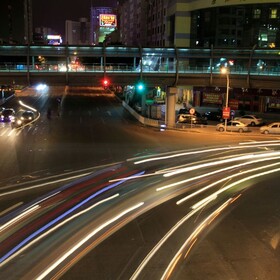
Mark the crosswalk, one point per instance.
(8, 131)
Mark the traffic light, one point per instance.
(140, 87)
(105, 83)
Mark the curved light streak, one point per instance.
(163, 240)
(56, 227)
(204, 151)
(224, 179)
(194, 210)
(218, 162)
(259, 142)
(214, 172)
(16, 219)
(215, 194)
(193, 236)
(44, 184)
(60, 217)
(85, 239)
(26, 106)
(30, 208)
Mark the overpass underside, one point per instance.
(150, 79)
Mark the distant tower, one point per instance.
(28, 26)
(94, 22)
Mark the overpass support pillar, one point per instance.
(170, 106)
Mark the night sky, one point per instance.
(53, 13)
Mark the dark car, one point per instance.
(214, 116)
(191, 119)
(7, 115)
(27, 116)
(24, 118)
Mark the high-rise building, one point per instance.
(16, 21)
(103, 21)
(77, 33)
(200, 23)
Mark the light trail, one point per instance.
(214, 172)
(56, 227)
(169, 171)
(33, 207)
(44, 184)
(215, 194)
(16, 219)
(219, 162)
(206, 151)
(162, 241)
(167, 273)
(259, 142)
(224, 179)
(85, 239)
(59, 218)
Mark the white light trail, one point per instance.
(192, 237)
(254, 145)
(219, 162)
(14, 220)
(85, 239)
(26, 106)
(215, 194)
(56, 227)
(214, 172)
(44, 184)
(163, 240)
(224, 179)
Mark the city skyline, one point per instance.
(50, 14)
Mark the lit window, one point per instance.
(257, 13)
(273, 13)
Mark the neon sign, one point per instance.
(107, 20)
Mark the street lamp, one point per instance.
(225, 71)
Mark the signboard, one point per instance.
(107, 20)
(233, 104)
(226, 113)
(54, 39)
(212, 98)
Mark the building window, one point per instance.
(256, 13)
(273, 13)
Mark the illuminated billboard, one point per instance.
(54, 39)
(107, 20)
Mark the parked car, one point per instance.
(252, 120)
(7, 115)
(214, 116)
(233, 125)
(191, 119)
(187, 111)
(272, 128)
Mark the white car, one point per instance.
(250, 120)
(236, 126)
(272, 128)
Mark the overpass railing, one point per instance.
(127, 68)
(66, 58)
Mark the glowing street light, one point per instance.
(225, 71)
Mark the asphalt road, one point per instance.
(89, 131)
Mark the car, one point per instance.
(24, 118)
(272, 128)
(252, 120)
(7, 115)
(233, 125)
(213, 116)
(27, 116)
(191, 119)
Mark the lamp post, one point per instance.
(225, 71)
